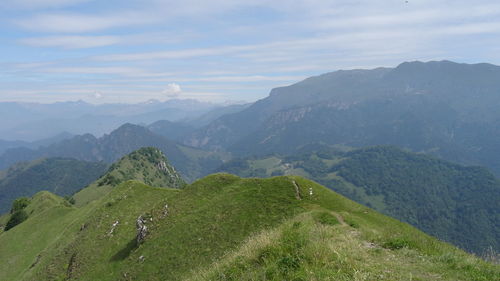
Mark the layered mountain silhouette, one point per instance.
(33, 121)
(109, 148)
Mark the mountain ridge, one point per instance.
(434, 107)
(287, 236)
(113, 146)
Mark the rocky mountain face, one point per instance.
(443, 108)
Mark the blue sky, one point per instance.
(136, 50)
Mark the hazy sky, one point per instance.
(135, 50)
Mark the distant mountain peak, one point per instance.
(128, 126)
(127, 129)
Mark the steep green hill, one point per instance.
(455, 203)
(223, 227)
(148, 165)
(59, 175)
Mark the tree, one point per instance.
(19, 204)
(16, 218)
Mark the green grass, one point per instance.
(223, 227)
(452, 202)
(267, 163)
(302, 249)
(140, 165)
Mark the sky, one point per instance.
(130, 51)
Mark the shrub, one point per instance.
(19, 204)
(396, 243)
(16, 218)
(325, 218)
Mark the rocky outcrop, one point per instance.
(142, 229)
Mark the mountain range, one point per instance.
(191, 162)
(366, 134)
(221, 227)
(34, 121)
(444, 108)
(5, 145)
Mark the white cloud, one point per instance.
(97, 95)
(78, 23)
(281, 45)
(176, 54)
(37, 4)
(71, 42)
(89, 41)
(172, 90)
(106, 70)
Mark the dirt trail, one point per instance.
(339, 218)
(297, 190)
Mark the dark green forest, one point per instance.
(61, 176)
(455, 203)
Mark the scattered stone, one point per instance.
(113, 227)
(83, 226)
(36, 261)
(141, 258)
(72, 265)
(310, 191)
(297, 190)
(142, 229)
(369, 245)
(165, 211)
(162, 166)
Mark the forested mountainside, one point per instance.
(61, 176)
(452, 202)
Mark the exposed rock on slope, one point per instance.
(148, 165)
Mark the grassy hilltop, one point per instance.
(223, 227)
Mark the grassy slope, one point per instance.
(141, 165)
(227, 228)
(452, 202)
(21, 245)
